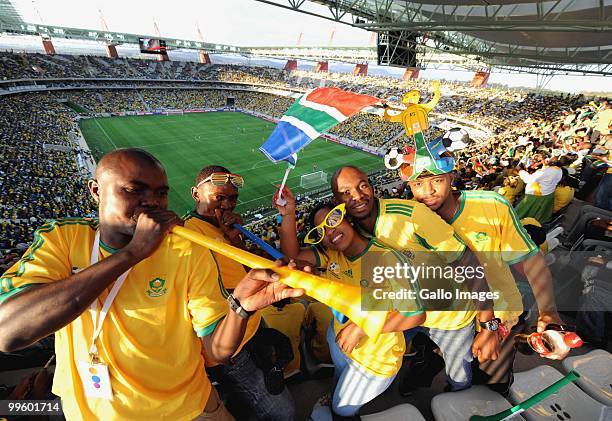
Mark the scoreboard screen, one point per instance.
(152, 45)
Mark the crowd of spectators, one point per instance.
(42, 66)
(116, 100)
(564, 139)
(495, 108)
(39, 175)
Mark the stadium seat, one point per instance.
(595, 369)
(570, 403)
(460, 406)
(403, 412)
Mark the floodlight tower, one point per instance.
(291, 64)
(204, 57)
(164, 55)
(111, 50)
(46, 38)
(323, 65)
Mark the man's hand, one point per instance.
(261, 287)
(486, 346)
(547, 317)
(152, 227)
(348, 338)
(226, 220)
(289, 207)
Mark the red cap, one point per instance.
(572, 340)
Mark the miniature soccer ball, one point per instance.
(393, 159)
(455, 139)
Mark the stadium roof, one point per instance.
(544, 37)
(12, 22)
(553, 35)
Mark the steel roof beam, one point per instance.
(483, 25)
(567, 6)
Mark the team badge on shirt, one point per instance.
(481, 236)
(157, 288)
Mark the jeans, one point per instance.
(595, 303)
(456, 348)
(354, 386)
(498, 375)
(245, 383)
(603, 194)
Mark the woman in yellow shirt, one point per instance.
(564, 194)
(364, 367)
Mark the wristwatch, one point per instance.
(236, 307)
(491, 325)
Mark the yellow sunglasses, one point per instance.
(333, 218)
(221, 178)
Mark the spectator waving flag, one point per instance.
(311, 115)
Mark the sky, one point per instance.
(247, 23)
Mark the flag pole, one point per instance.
(261, 243)
(280, 201)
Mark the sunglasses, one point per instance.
(221, 178)
(331, 220)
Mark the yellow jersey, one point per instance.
(563, 197)
(150, 338)
(383, 356)
(416, 231)
(318, 318)
(288, 321)
(409, 226)
(231, 271)
(491, 228)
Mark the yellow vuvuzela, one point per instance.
(343, 298)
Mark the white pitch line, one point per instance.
(258, 198)
(105, 134)
(254, 166)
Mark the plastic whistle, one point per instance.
(344, 298)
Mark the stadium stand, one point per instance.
(42, 175)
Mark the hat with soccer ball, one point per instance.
(420, 158)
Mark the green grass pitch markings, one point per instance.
(186, 143)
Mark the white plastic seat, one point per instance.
(403, 412)
(460, 406)
(595, 369)
(568, 404)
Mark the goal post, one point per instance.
(314, 179)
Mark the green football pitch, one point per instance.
(186, 143)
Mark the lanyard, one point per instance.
(98, 320)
